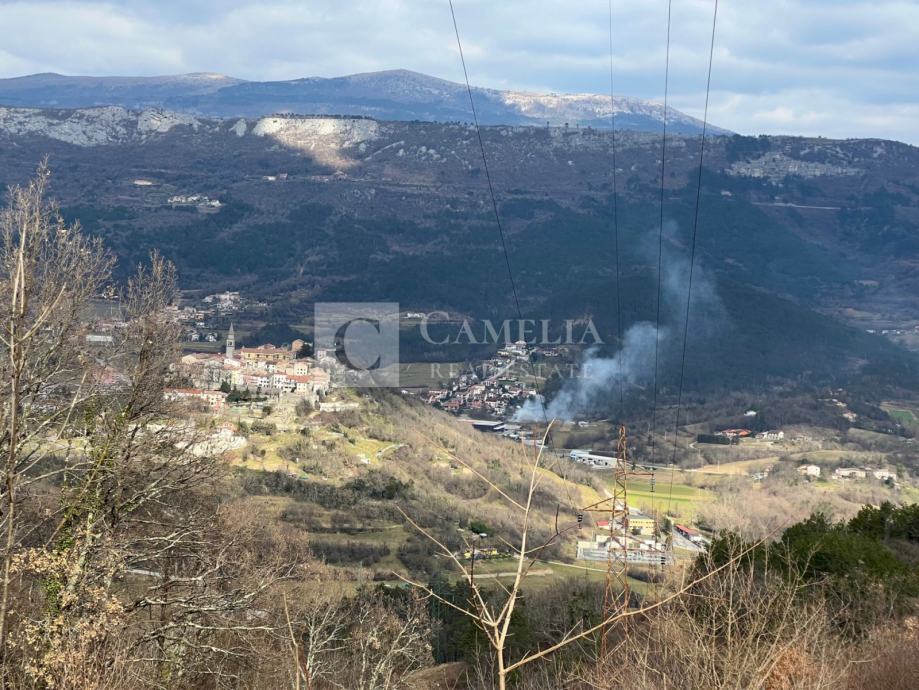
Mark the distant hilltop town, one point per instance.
(263, 370)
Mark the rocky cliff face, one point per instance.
(114, 125)
(92, 126)
(322, 137)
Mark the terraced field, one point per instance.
(904, 415)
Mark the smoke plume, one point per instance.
(633, 365)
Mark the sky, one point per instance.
(836, 68)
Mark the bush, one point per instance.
(379, 485)
(479, 527)
(304, 408)
(349, 552)
(417, 555)
(265, 428)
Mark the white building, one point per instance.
(279, 381)
(641, 551)
(849, 473)
(585, 457)
(215, 399)
(338, 406)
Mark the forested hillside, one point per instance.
(377, 543)
(803, 244)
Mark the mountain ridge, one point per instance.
(399, 94)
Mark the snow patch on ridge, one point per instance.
(587, 107)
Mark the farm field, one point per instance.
(545, 574)
(424, 374)
(743, 467)
(903, 414)
(681, 499)
(739, 467)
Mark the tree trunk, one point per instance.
(10, 484)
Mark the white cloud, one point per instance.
(847, 66)
(814, 112)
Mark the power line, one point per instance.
(615, 214)
(660, 240)
(494, 205)
(617, 574)
(491, 189)
(692, 251)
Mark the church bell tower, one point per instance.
(231, 343)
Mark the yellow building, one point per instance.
(639, 523)
(263, 353)
(642, 523)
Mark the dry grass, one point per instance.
(888, 661)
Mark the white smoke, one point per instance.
(632, 365)
(600, 377)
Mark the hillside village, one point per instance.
(775, 167)
(263, 370)
(257, 398)
(496, 387)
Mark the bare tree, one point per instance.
(385, 642)
(322, 633)
(131, 553)
(493, 615)
(745, 627)
(48, 273)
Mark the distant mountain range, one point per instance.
(398, 95)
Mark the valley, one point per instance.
(295, 211)
(459, 345)
(338, 209)
(799, 403)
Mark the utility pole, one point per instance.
(616, 594)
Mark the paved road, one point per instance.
(681, 542)
(788, 205)
(577, 567)
(513, 573)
